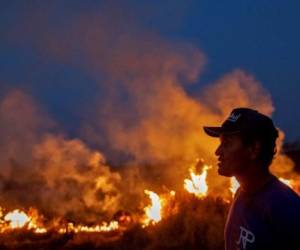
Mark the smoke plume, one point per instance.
(140, 117)
(63, 178)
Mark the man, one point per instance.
(265, 213)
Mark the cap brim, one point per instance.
(213, 131)
(218, 131)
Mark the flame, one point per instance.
(197, 184)
(153, 211)
(104, 227)
(161, 206)
(287, 182)
(17, 219)
(234, 185)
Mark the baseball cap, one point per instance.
(243, 120)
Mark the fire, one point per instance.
(161, 205)
(17, 219)
(153, 211)
(234, 185)
(104, 227)
(197, 184)
(287, 182)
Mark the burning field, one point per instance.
(190, 218)
(136, 171)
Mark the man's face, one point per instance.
(232, 154)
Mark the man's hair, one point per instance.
(267, 141)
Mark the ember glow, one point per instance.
(197, 184)
(104, 227)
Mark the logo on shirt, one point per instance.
(246, 237)
(233, 117)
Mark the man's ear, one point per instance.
(254, 150)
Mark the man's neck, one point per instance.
(254, 181)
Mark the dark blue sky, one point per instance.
(259, 36)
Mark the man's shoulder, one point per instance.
(281, 200)
(284, 210)
(280, 192)
(275, 199)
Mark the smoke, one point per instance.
(22, 125)
(140, 116)
(61, 177)
(77, 182)
(237, 89)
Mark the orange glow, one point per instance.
(287, 182)
(234, 185)
(17, 219)
(160, 206)
(197, 184)
(104, 227)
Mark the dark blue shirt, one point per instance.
(268, 219)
